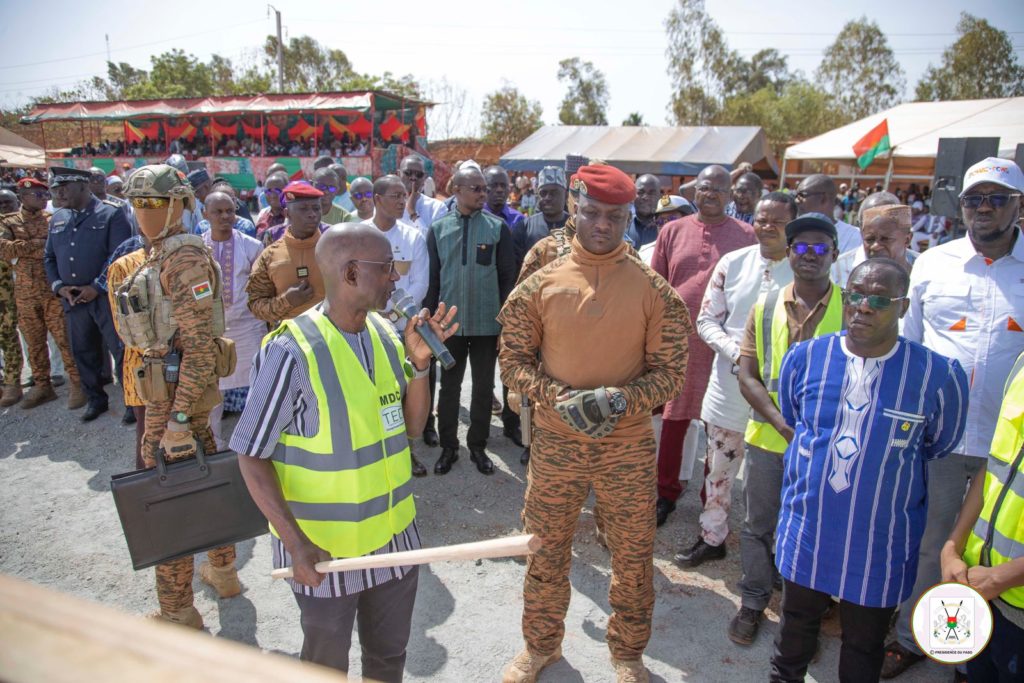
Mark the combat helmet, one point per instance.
(161, 180)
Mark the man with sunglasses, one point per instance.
(967, 303)
(420, 210)
(745, 195)
(817, 194)
(361, 190)
(867, 412)
(808, 307)
(272, 216)
(82, 236)
(326, 180)
(22, 241)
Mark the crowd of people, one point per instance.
(874, 392)
(200, 145)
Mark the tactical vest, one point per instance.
(771, 333)
(350, 485)
(145, 316)
(998, 535)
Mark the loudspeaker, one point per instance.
(1019, 156)
(954, 157)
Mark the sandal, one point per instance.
(898, 659)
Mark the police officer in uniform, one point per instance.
(83, 234)
(171, 308)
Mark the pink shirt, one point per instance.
(685, 254)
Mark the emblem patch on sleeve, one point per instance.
(202, 290)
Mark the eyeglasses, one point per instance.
(41, 194)
(325, 188)
(413, 174)
(387, 266)
(150, 202)
(801, 248)
(275, 190)
(802, 195)
(362, 195)
(996, 201)
(475, 189)
(876, 302)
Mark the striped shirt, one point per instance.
(281, 401)
(854, 488)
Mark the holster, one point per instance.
(225, 356)
(150, 382)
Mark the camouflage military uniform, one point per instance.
(559, 332)
(22, 240)
(557, 244)
(9, 344)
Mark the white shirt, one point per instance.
(428, 210)
(738, 279)
(849, 236)
(408, 247)
(972, 311)
(849, 260)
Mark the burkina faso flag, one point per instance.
(871, 145)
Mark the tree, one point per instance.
(454, 113)
(508, 117)
(860, 71)
(586, 100)
(174, 74)
(766, 69)
(308, 66)
(800, 110)
(634, 119)
(980, 64)
(697, 57)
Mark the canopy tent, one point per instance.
(17, 151)
(681, 151)
(914, 132)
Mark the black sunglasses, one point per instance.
(362, 195)
(413, 174)
(996, 201)
(325, 188)
(801, 248)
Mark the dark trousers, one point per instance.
(432, 378)
(482, 354)
(863, 639)
(762, 490)
(670, 458)
(384, 616)
(1002, 660)
(90, 328)
(509, 419)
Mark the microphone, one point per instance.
(407, 308)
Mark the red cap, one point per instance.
(26, 183)
(300, 189)
(605, 184)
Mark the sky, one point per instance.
(475, 46)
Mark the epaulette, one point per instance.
(116, 203)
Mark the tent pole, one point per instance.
(782, 176)
(373, 115)
(42, 132)
(888, 172)
(263, 136)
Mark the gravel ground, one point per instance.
(61, 530)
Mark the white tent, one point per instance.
(17, 151)
(914, 132)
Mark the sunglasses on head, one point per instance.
(362, 195)
(996, 201)
(150, 202)
(801, 248)
(325, 188)
(876, 302)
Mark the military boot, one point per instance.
(11, 395)
(76, 397)
(189, 616)
(38, 394)
(223, 579)
(630, 671)
(527, 666)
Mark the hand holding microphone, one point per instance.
(424, 330)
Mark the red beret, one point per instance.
(26, 183)
(605, 184)
(300, 189)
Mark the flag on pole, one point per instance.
(871, 145)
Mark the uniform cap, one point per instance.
(673, 202)
(114, 180)
(62, 175)
(178, 162)
(817, 222)
(551, 175)
(605, 184)
(299, 190)
(994, 170)
(158, 180)
(27, 183)
(198, 177)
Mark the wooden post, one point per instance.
(263, 136)
(782, 176)
(888, 172)
(373, 115)
(316, 132)
(42, 132)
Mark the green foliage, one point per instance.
(634, 119)
(800, 110)
(586, 100)
(508, 118)
(697, 56)
(980, 64)
(860, 71)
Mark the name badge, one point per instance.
(391, 417)
(302, 271)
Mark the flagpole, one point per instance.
(888, 172)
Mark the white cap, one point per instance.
(917, 205)
(994, 170)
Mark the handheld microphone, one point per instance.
(407, 308)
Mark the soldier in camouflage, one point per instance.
(22, 240)
(179, 274)
(595, 340)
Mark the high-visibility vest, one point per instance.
(998, 535)
(349, 486)
(771, 333)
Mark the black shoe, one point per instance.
(447, 459)
(430, 437)
(515, 435)
(129, 416)
(418, 470)
(743, 627)
(663, 509)
(92, 411)
(699, 553)
(524, 457)
(482, 462)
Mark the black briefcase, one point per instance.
(186, 507)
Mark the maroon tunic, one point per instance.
(685, 254)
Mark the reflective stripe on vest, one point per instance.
(996, 542)
(349, 486)
(771, 333)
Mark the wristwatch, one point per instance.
(617, 402)
(180, 418)
(416, 373)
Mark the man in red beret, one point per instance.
(22, 240)
(595, 340)
(285, 280)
